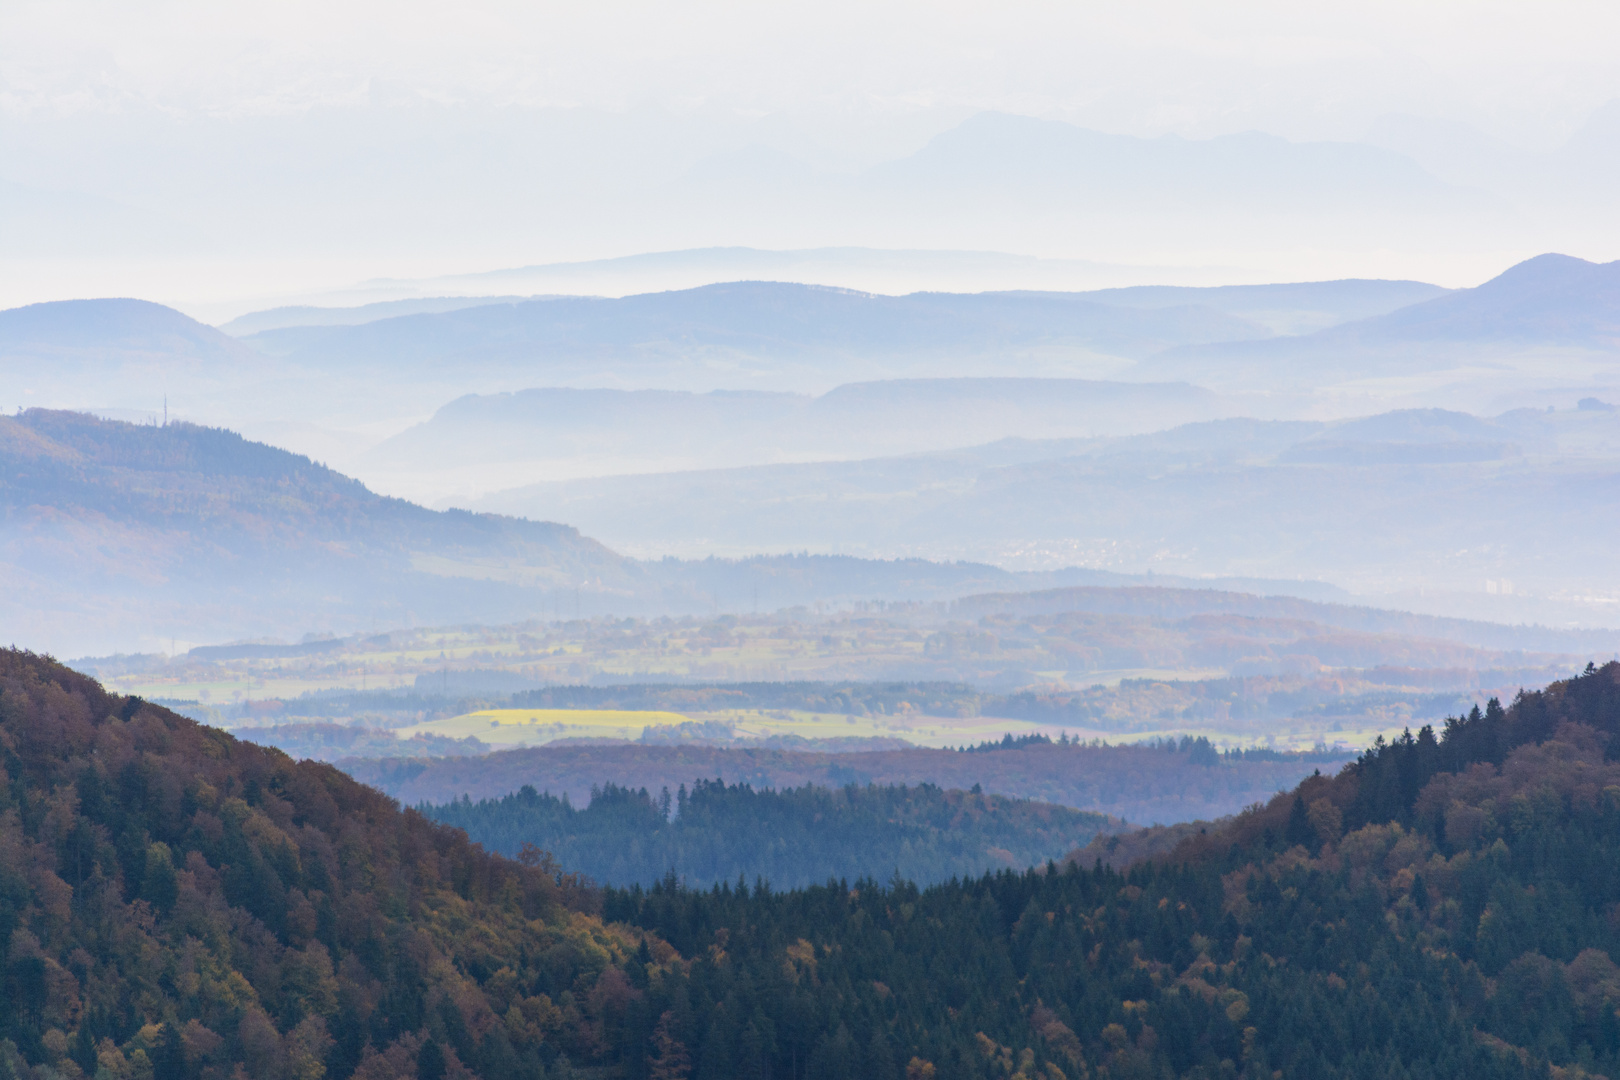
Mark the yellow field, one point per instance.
(506, 728)
(1131, 703)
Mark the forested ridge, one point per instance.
(179, 904)
(1447, 906)
(176, 904)
(1137, 782)
(797, 836)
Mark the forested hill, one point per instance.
(791, 838)
(178, 905)
(1444, 907)
(254, 500)
(201, 529)
(1135, 782)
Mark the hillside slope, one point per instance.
(493, 441)
(1377, 504)
(175, 903)
(791, 838)
(1549, 308)
(1551, 299)
(1442, 908)
(803, 336)
(1137, 783)
(201, 530)
(97, 337)
(117, 536)
(179, 904)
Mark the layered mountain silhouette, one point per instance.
(752, 327)
(94, 335)
(1550, 302)
(194, 532)
(197, 527)
(594, 432)
(1023, 159)
(1382, 504)
(1024, 182)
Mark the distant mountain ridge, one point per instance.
(1551, 301)
(1190, 603)
(199, 527)
(1281, 307)
(745, 324)
(1381, 504)
(84, 332)
(558, 431)
(310, 315)
(197, 531)
(1030, 159)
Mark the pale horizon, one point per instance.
(220, 161)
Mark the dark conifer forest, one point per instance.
(176, 903)
(800, 836)
(1445, 907)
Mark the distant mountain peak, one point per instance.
(97, 328)
(1551, 271)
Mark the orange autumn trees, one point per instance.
(178, 904)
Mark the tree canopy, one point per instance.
(794, 837)
(175, 903)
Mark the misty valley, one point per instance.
(488, 677)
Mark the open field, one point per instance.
(728, 648)
(504, 729)
(509, 728)
(1189, 666)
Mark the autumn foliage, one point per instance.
(175, 903)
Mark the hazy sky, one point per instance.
(1528, 73)
(223, 119)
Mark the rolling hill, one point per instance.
(1292, 308)
(99, 331)
(201, 530)
(480, 443)
(1289, 308)
(1139, 783)
(185, 532)
(1381, 505)
(759, 334)
(1437, 908)
(177, 903)
(1020, 161)
(180, 903)
(1550, 319)
(792, 838)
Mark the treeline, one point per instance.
(1198, 750)
(848, 698)
(178, 905)
(1317, 700)
(795, 837)
(1139, 783)
(1444, 907)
